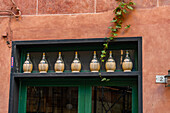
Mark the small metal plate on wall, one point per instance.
(160, 79)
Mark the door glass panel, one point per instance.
(52, 100)
(106, 99)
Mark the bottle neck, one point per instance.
(43, 56)
(94, 56)
(59, 55)
(76, 56)
(28, 56)
(127, 54)
(110, 55)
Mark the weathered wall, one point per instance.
(73, 19)
(5, 54)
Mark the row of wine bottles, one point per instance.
(110, 64)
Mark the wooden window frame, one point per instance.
(17, 78)
(84, 90)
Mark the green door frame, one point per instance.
(84, 90)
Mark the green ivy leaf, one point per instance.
(119, 17)
(103, 52)
(107, 40)
(119, 26)
(102, 60)
(117, 9)
(125, 11)
(103, 79)
(114, 20)
(107, 80)
(114, 30)
(102, 55)
(106, 45)
(129, 7)
(110, 27)
(119, 13)
(127, 26)
(122, 4)
(114, 34)
(120, 21)
(132, 3)
(111, 38)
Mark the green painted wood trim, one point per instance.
(45, 82)
(88, 99)
(22, 98)
(78, 81)
(134, 98)
(84, 90)
(53, 82)
(81, 99)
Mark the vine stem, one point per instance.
(120, 13)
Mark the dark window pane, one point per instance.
(106, 99)
(52, 100)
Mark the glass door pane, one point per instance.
(111, 99)
(52, 100)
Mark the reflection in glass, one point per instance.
(52, 100)
(106, 99)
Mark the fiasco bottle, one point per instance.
(127, 64)
(59, 65)
(110, 63)
(76, 64)
(43, 65)
(27, 66)
(94, 64)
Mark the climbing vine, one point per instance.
(120, 14)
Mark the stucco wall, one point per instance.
(74, 19)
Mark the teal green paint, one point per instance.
(50, 83)
(81, 99)
(84, 90)
(134, 98)
(88, 99)
(22, 98)
(53, 82)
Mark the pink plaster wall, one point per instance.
(5, 55)
(90, 19)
